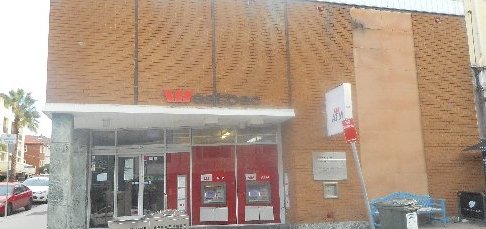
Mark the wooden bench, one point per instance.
(433, 209)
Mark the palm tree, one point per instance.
(26, 115)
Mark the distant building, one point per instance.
(7, 116)
(36, 151)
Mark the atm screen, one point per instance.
(258, 192)
(213, 193)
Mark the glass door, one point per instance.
(129, 188)
(101, 193)
(154, 195)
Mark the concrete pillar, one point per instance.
(67, 179)
(79, 171)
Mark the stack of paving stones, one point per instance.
(167, 219)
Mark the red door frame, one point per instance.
(177, 164)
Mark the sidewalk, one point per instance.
(460, 225)
(36, 218)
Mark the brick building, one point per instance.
(36, 149)
(215, 107)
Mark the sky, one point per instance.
(23, 51)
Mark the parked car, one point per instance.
(39, 187)
(13, 196)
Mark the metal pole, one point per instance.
(8, 168)
(362, 182)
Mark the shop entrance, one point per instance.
(218, 176)
(141, 187)
(139, 181)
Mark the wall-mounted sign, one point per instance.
(8, 138)
(226, 99)
(185, 96)
(338, 108)
(329, 166)
(207, 177)
(178, 96)
(250, 176)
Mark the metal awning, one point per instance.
(114, 116)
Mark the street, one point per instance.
(36, 218)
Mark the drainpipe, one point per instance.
(475, 17)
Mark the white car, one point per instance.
(39, 187)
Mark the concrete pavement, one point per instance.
(35, 218)
(465, 224)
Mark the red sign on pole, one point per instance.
(350, 133)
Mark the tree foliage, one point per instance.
(26, 115)
(44, 169)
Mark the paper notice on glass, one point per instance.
(102, 177)
(128, 170)
(181, 181)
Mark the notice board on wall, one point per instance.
(329, 166)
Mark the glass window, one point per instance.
(213, 136)
(258, 192)
(3, 189)
(103, 138)
(101, 194)
(36, 182)
(213, 193)
(181, 136)
(257, 135)
(140, 137)
(153, 192)
(128, 186)
(18, 190)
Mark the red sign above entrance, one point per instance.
(350, 133)
(178, 96)
(185, 96)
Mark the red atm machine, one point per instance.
(258, 196)
(215, 186)
(214, 191)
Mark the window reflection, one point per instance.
(103, 138)
(153, 192)
(102, 185)
(128, 185)
(140, 137)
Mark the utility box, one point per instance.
(471, 205)
(398, 217)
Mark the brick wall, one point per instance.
(321, 58)
(90, 52)
(391, 144)
(33, 155)
(251, 53)
(174, 48)
(447, 106)
(91, 45)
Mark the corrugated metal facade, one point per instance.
(451, 7)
